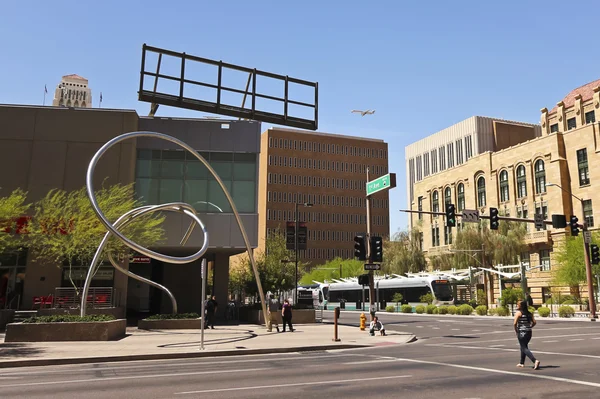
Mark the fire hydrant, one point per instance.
(363, 321)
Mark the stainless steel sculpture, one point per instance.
(171, 207)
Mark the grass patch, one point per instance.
(69, 318)
(177, 316)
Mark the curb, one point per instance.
(167, 356)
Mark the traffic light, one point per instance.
(450, 215)
(363, 279)
(574, 226)
(494, 219)
(360, 249)
(595, 254)
(376, 249)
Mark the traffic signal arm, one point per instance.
(507, 218)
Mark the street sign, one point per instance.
(302, 236)
(587, 237)
(470, 216)
(290, 236)
(372, 266)
(381, 183)
(538, 219)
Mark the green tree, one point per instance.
(11, 208)
(571, 264)
(442, 261)
(331, 270)
(65, 228)
(403, 253)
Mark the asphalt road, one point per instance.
(454, 357)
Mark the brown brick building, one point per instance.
(511, 174)
(329, 172)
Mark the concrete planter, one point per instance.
(119, 313)
(299, 316)
(6, 316)
(86, 331)
(170, 324)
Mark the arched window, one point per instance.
(521, 182)
(481, 192)
(504, 195)
(540, 177)
(447, 196)
(460, 190)
(435, 202)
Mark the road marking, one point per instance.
(456, 329)
(69, 367)
(547, 342)
(435, 328)
(496, 346)
(511, 339)
(298, 384)
(419, 326)
(371, 361)
(596, 338)
(484, 369)
(576, 339)
(537, 330)
(514, 350)
(132, 377)
(476, 330)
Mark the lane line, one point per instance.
(596, 338)
(576, 339)
(497, 346)
(537, 330)
(511, 339)
(496, 371)
(371, 361)
(298, 384)
(547, 342)
(132, 377)
(456, 329)
(516, 350)
(68, 368)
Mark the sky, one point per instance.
(422, 66)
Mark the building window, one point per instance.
(481, 192)
(459, 152)
(434, 164)
(525, 259)
(420, 207)
(540, 177)
(571, 123)
(461, 197)
(435, 202)
(554, 128)
(447, 235)
(542, 209)
(469, 148)
(426, 164)
(545, 260)
(588, 213)
(442, 152)
(582, 164)
(435, 236)
(447, 196)
(450, 155)
(590, 117)
(521, 182)
(504, 194)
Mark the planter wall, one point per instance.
(170, 324)
(6, 316)
(119, 313)
(299, 316)
(88, 331)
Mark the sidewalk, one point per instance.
(170, 344)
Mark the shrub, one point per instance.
(69, 318)
(406, 309)
(436, 310)
(531, 309)
(492, 311)
(420, 309)
(544, 312)
(481, 310)
(431, 308)
(452, 309)
(390, 308)
(473, 303)
(502, 311)
(569, 302)
(443, 309)
(566, 311)
(173, 316)
(427, 298)
(481, 299)
(464, 310)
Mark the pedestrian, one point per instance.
(523, 323)
(286, 313)
(376, 325)
(273, 313)
(210, 309)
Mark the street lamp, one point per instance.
(588, 265)
(308, 205)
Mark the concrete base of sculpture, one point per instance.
(119, 313)
(86, 331)
(6, 316)
(170, 324)
(299, 316)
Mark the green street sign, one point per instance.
(384, 182)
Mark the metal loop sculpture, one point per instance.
(113, 229)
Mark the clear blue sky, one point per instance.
(422, 65)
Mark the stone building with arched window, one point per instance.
(73, 91)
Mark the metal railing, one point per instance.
(98, 297)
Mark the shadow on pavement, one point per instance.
(250, 335)
(18, 350)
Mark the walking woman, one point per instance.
(523, 323)
(286, 313)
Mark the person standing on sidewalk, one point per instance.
(273, 313)
(211, 309)
(523, 323)
(286, 313)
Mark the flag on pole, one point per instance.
(45, 89)
(100, 99)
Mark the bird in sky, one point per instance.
(363, 113)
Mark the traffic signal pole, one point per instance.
(588, 268)
(369, 258)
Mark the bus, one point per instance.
(348, 294)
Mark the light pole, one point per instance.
(586, 250)
(308, 205)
